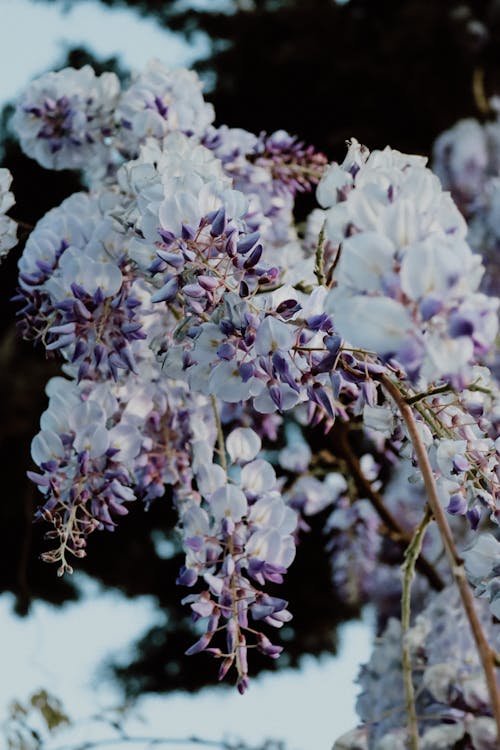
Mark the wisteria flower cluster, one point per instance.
(452, 701)
(206, 342)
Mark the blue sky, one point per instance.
(33, 36)
(61, 650)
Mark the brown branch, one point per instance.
(399, 534)
(486, 653)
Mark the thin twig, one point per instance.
(220, 434)
(479, 91)
(411, 556)
(486, 653)
(399, 534)
(445, 388)
(319, 269)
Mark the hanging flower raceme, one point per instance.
(237, 534)
(63, 119)
(101, 447)
(159, 101)
(84, 466)
(405, 280)
(80, 294)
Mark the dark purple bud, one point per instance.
(45, 268)
(156, 266)
(276, 395)
(99, 352)
(127, 358)
(473, 517)
(253, 258)
(457, 505)
(166, 236)
(80, 349)
(114, 364)
(81, 311)
(460, 326)
(161, 107)
(83, 460)
(186, 577)
(231, 246)
(66, 305)
(248, 243)
(218, 223)
(244, 291)
(98, 296)
(243, 684)
(280, 363)
(226, 327)
(187, 233)
(246, 371)
(249, 338)
(287, 308)
(30, 279)
(132, 302)
(226, 351)
(325, 364)
(168, 291)
(321, 397)
(475, 408)
(336, 382)
(319, 322)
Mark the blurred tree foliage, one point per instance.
(391, 71)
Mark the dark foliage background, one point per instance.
(390, 71)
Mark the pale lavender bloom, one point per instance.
(461, 159)
(451, 696)
(63, 119)
(159, 101)
(404, 274)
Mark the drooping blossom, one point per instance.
(64, 119)
(405, 282)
